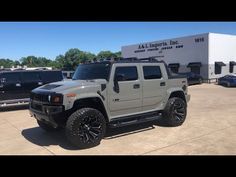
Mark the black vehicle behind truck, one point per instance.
(192, 78)
(15, 86)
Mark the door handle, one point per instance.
(136, 86)
(18, 85)
(162, 84)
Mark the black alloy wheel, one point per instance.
(86, 127)
(90, 128)
(175, 112)
(179, 111)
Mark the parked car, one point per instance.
(192, 78)
(227, 80)
(113, 94)
(15, 86)
(68, 74)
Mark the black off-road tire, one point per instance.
(46, 126)
(175, 112)
(85, 128)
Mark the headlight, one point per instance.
(56, 98)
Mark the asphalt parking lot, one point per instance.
(209, 129)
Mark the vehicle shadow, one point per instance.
(161, 123)
(14, 108)
(42, 138)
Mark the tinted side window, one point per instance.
(9, 77)
(51, 76)
(152, 72)
(30, 76)
(129, 73)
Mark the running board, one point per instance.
(135, 119)
(14, 102)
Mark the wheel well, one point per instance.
(93, 102)
(178, 94)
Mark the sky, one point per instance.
(49, 39)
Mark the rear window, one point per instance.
(30, 76)
(152, 72)
(51, 76)
(10, 77)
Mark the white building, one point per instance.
(211, 55)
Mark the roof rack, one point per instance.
(126, 60)
(141, 60)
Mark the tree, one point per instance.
(29, 61)
(59, 61)
(17, 63)
(32, 61)
(118, 54)
(73, 57)
(105, 54)
(69, 61)
(7, 63)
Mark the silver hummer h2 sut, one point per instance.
(110, 93)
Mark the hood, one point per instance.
(69, 84)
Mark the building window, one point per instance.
(195, 67)
(174, 67)
(231, 66)
(218, 67)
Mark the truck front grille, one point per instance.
(39, 97)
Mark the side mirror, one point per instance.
(117, 78)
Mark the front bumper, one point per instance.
(47, 113)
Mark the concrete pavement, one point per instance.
(210, 128)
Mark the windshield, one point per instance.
(92, 71)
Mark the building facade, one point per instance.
(211, 55)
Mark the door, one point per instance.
(154, 87)
(128, 99)
(10, 86)
(30, 80)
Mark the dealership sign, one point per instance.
(158, 46)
